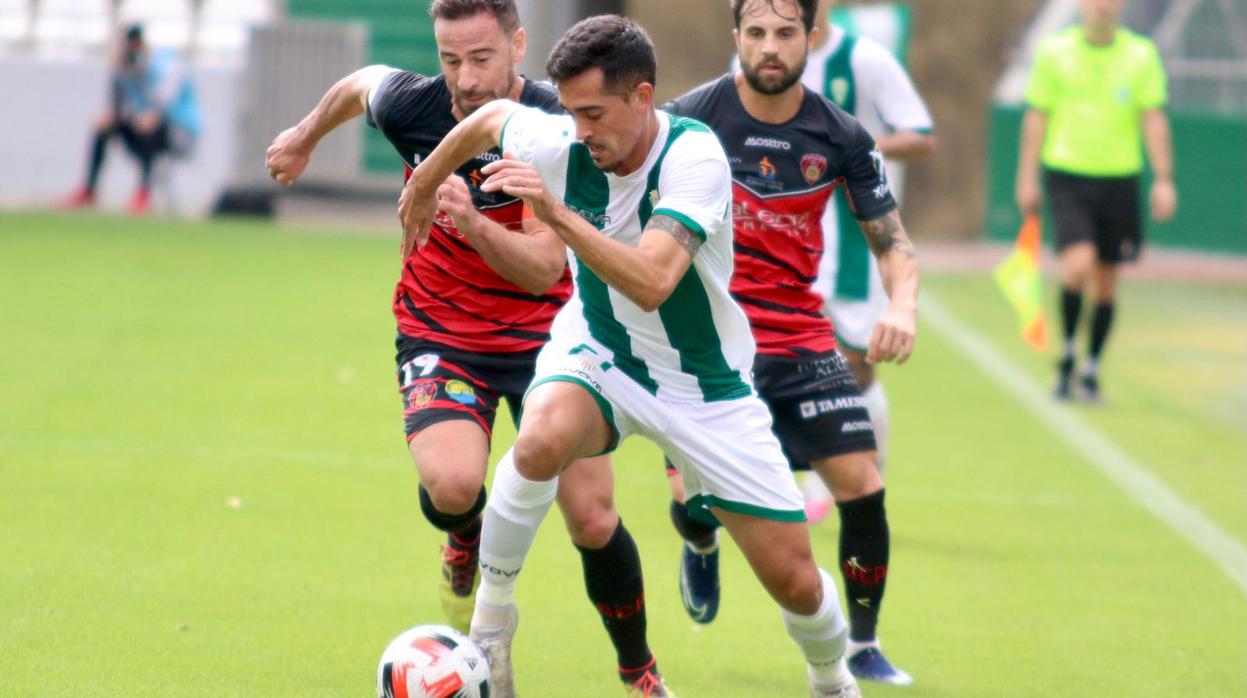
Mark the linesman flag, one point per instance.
(1019, 279)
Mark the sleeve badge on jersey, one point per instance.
(884, 187)
(812, 167)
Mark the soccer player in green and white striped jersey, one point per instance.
(652, 343)
(863, 78)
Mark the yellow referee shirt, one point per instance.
(1094, 97)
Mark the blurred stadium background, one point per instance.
(261, 64)
(202, 487)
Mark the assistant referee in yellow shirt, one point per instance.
(1095, 91)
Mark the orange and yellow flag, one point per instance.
(1019, 278)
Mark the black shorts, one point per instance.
(1100, 210)
(817, 408)
(439, 383)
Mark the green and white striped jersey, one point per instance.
(697, 346)
(866, 80)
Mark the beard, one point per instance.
(466, 107)
(773, 85)
(609, 167)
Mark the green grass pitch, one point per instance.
(204, 492)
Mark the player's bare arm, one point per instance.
(646, 274)
(1158, 141)
(292, 149)
(533, 260)
(893, 336)
(418, 203)
(688, 240)
(906, 145)
(1029, 195)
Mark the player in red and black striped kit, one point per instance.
(789, 148)
(474, 305)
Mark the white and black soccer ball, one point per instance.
(432, 661)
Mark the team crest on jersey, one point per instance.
(813, 166)
(653, 197)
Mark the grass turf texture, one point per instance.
(152, 371)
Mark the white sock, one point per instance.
(1090, 367)
(880, 418)
(822, 636)
(514, 513)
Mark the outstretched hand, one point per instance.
(416, 208)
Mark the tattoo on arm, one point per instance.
(687, 238)
(886, 234)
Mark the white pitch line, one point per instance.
(1229, 554)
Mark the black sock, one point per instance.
(863, 561)
(469, 535)
(695, 532)
(1071, 308)
(613, 580)
(1101, 321)
(97, 160)
(466, 527)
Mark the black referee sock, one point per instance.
(613, 580)
(1071, 308)
(1101, 321)
(864, 561)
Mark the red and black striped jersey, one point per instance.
(782, 178)
(446, 292)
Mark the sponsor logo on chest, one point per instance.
(769, 143)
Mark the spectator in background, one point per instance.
(152, 108)
(1096, 90)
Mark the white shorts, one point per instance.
(853, 321)
(725, 450)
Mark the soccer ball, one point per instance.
(432, 661)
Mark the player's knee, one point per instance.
(454, 497)
(860, 487)
(801, 590)
(592, 526)
(540, 455)
(851, 476)
(451, 515)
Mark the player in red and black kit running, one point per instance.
(789, 148)
(474, 305)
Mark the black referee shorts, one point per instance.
(1100, 210)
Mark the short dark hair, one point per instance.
(617, 45)
(503, 10)
(809, 8)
